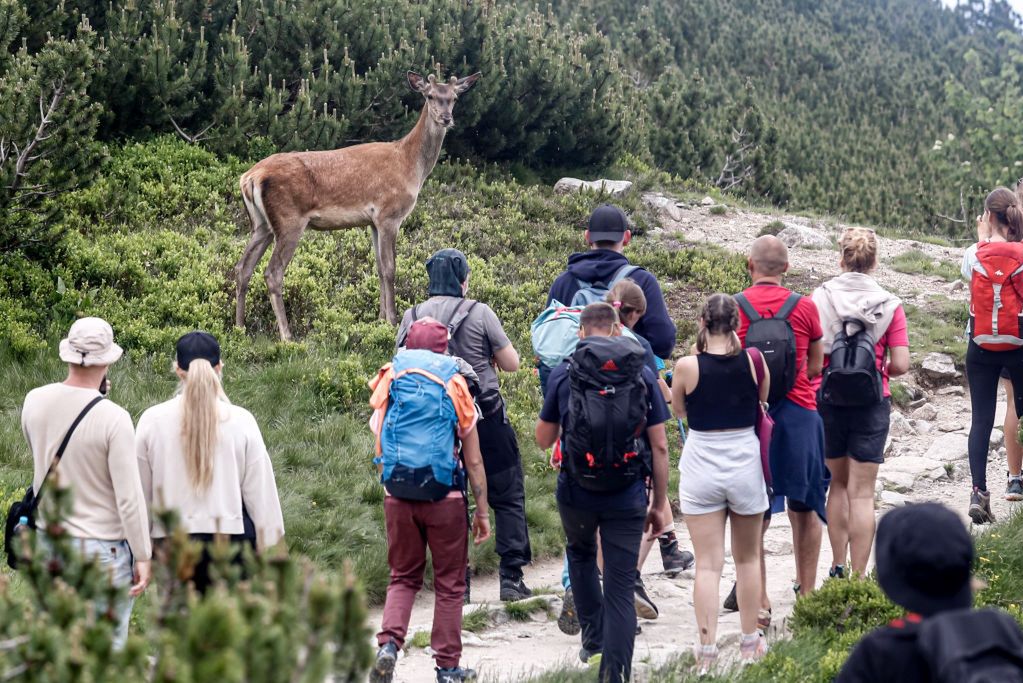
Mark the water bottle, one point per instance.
(22, 524)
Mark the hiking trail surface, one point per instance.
(926, 459)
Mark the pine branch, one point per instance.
(190, 139)
(25, 157)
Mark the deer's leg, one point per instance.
(284, 250)
(261, 238)
(385, 238)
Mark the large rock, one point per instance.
(665, 205)
(707, 201)
(612, 187)
(948, 447)
(917, 467)
(898, 425)
(926, 412)
(892, 498)
(938, 369)
(896, 481)
(801, 236)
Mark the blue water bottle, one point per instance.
(22, 524)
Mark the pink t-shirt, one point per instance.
(897, 334)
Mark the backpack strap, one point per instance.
(790, 304)
(622, 273)
(747, 307)
(458, 317)
(60, 451)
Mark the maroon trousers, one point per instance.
(412, 526)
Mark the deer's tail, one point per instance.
(252, 196)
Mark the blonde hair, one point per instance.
(720, 315)
(201, 392)
(627, 298)
(859, 249)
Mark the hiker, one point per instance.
(1013, 448)
(628, 300)
(993, 268)
(924, 557)
(721, 475)
(596, 404)
(773, 317)
(853, 398)
(204, 458)
(108, 519)
(425, 504)
(476, 334)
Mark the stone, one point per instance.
(612, 187)
(938, 369)
(917, 467)
(801, 236)
(896, 481)
(926, 412)
(707, 201)
(948, 447)
(893, 498)
(662, 204)
(954, 390)
(923, 426)
(957, 286)
(997, 438)
(949, 426)
(898, 425)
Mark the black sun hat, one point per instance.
(924, 559)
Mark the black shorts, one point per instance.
(859, 433)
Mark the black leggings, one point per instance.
(982, 371)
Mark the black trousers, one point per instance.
(608, 617)
(982, 371)
(506, 493)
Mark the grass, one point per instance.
(772, 228)
(938, 326)
(718, 210)
(916, 262)
(522, 610)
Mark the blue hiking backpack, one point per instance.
(590, 292)
(417, 439)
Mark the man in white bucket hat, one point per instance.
(108, 516)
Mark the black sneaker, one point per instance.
(568, 620)
(645, 607)
(836, 572)
(586, 655)
(980, 507)
(455, 675)
(383, 668)
(673, 559)
(1014, 489)
(731, 603)
(514, 589)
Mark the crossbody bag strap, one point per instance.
(758, 364)
(61, 449)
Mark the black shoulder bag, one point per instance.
(26, 507)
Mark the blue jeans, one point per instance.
(115, 557)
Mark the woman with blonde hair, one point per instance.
(721, 474)
(854, 308)
(204, 458)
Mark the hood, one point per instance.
(595, 265)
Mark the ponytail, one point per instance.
(1005, 207)
(201, 393)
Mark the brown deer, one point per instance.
(375, 184)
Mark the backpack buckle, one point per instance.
(607, 391)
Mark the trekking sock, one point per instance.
(748, 638)
(667, 538)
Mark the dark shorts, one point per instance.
(1004, 374)
(859, 433)
(779, 503)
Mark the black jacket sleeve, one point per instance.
(655, 325)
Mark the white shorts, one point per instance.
(720, 470)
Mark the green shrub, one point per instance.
(901, 395)
(999, 562)
(718, 210)
(772, 228)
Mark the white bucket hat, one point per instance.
(90, 342)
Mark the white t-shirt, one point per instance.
(242, 474)
(98, 465)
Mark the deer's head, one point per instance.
(440, 97)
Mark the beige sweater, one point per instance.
(98, 465)
(242, 473)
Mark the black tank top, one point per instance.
(725, 396)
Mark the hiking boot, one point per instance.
(568, 620)
(455, 675)
(645, 607)
(980, 507)
(1014, 489)
(674, 559)
(514, 589)
(588, 656)
(836, 572)
(731, 603)
(383, 667)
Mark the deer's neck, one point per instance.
(422, 146)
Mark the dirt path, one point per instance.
(926, 461)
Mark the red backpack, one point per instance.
(996, 302)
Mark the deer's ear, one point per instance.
(464, 84)
(415, 82)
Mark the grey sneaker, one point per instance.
(645, 607)
(455, 675)
(514, 589)
(568, 620)
(980, 507)
(1014, 489)
(383, 668)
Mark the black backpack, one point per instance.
(604, 445)
(972, 646)
(852, 378)
(776, 341)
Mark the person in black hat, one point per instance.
(924, 557)
(476, 335)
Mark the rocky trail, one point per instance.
(926, 460)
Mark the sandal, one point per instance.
(764, 620)
(706, 658)
(752, 648)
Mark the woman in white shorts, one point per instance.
(721, 475)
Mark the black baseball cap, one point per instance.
(924, 559)
(197, 345)
(607, 224)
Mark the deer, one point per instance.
(373, 184)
